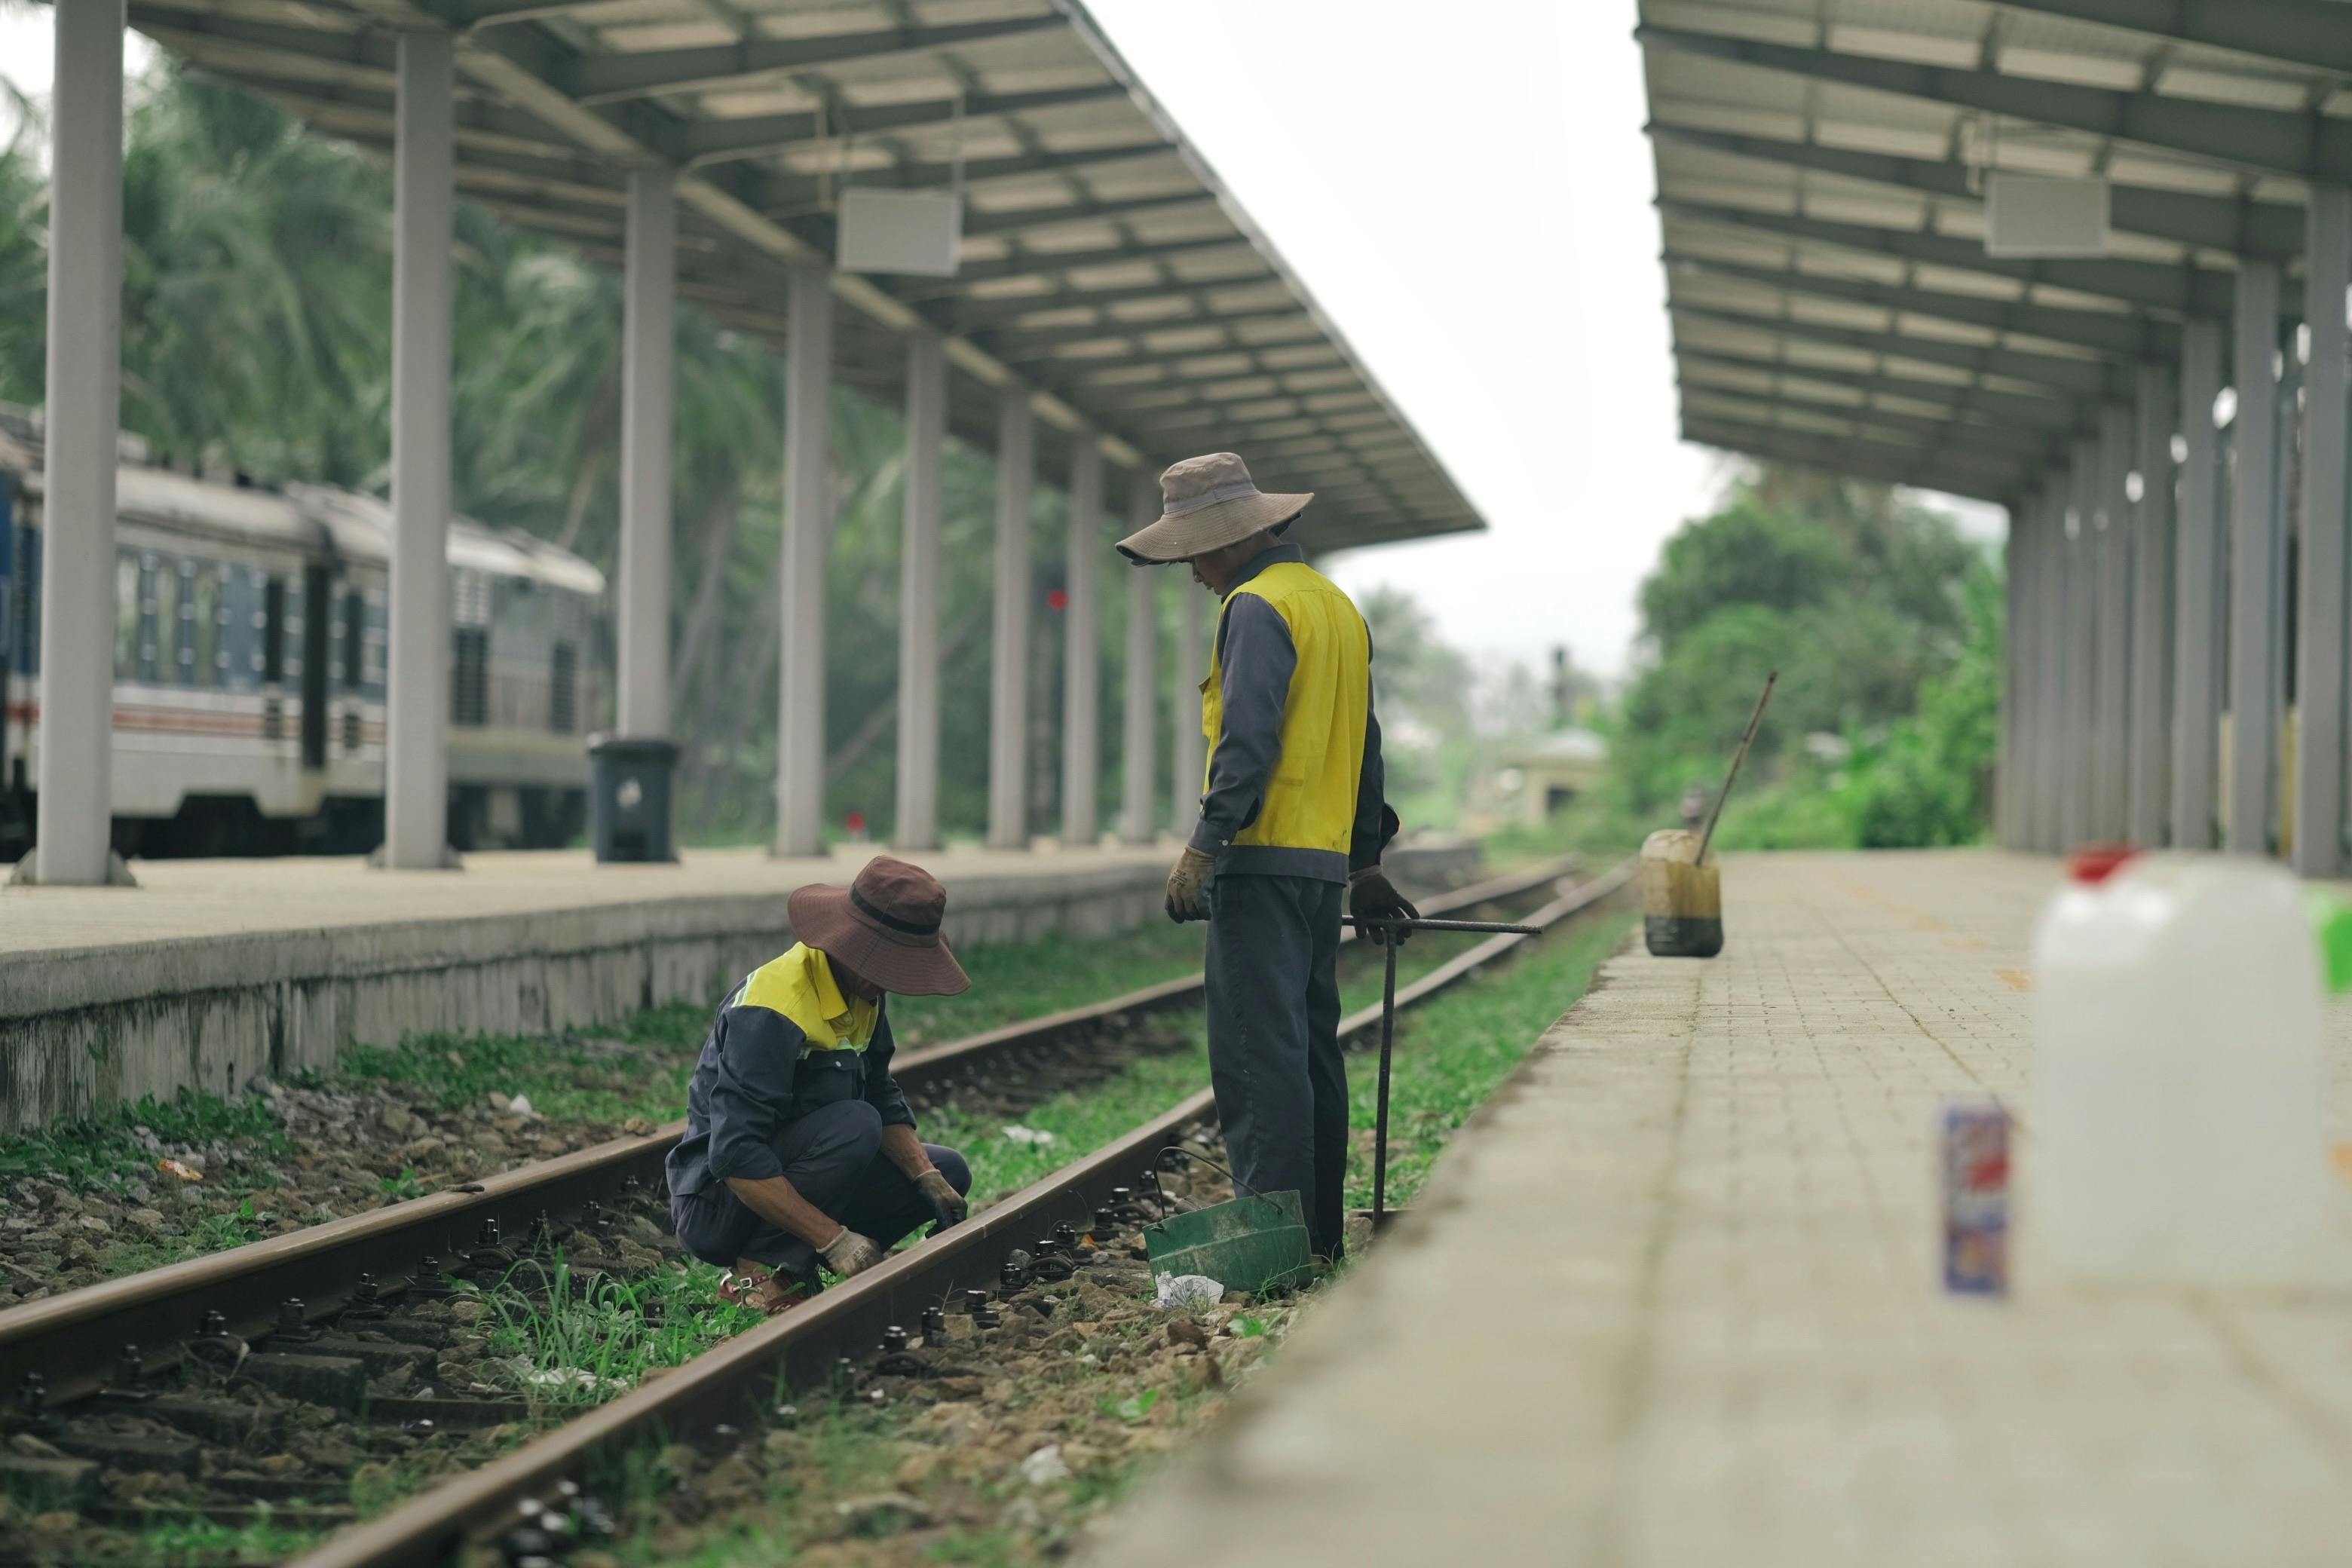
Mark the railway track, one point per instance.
(336, 1307)
(835, 1337)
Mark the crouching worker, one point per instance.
(799, 1147)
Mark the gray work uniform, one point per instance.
(762, 1105)
(1274, 931)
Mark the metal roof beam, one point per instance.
(2186, 291)
(1897, 455)
(1995, 408)
(499, 13)
(1702, 400)
(1878, 464)
(715, 140)
(2272, 229)
(992, 314)
(2310, 145)
(2296, 32)
(1016, 347)
(2125, 336)
(799, 194)
(1028, 220)
(478, 121)
(606, 79)
(2082, 377)
(1049, 264)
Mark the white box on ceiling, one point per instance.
(916, 232)
(2029, 216)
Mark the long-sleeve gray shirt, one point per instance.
(1256, 661)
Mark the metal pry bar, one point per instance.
(1387, 1031)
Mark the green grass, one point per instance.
(566, 1081)
(1454, 1049)
(198, 1540)
(1085, 1120)
(605, 1332)
(103, 1153)
(1014, 982)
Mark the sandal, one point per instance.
(766, 1292)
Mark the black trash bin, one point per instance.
(628, 792)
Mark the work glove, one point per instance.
(1372, 897)
(946, 1203)
(850, 1253)
(1186, 885)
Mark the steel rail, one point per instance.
(734, 1382)
(72, 1340)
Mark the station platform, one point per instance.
(1673, 1299)
(213, 971)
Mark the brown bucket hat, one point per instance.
(885, 925)
(1207, 503)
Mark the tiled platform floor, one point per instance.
(1674, 1301)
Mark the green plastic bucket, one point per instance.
(1250, 1244)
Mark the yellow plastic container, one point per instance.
(1682, 901)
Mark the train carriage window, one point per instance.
(166, 634)
(205, 664)
(354, 640)
(126, 617)
(563, 697)
(469, 676)
(28, 588)
(186, 675)
(273, 631)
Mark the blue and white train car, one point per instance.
(249, 644)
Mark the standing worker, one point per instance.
(1290, 814)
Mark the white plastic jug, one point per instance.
(2179, 1119)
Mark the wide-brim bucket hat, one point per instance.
(885, 925)
(1207, 503)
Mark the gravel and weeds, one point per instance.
(243, 1452)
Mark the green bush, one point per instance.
(1885, 628)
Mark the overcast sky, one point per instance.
(1470, 204)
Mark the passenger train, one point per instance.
(250, 666)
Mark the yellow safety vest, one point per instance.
(1311, 802)
(799, 983)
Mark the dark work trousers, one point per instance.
(1274, 1042)
(832, 1158)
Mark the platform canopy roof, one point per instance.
(1104, 267)
(1819, 170)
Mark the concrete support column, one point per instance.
(918, 823)
(416, 757)
(2048, 598)
(2111, 813)
(2149, 759)
(74, 774)
(648, 350)
(1082, 645)
(2006, 759)
(1188, 756)
(2322, 585)
(1140, 706)
(2081, 630)
(1008, 708)
(2197, 575)
(808, 529)
(2254, 563)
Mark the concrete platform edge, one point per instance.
(84, 1029)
